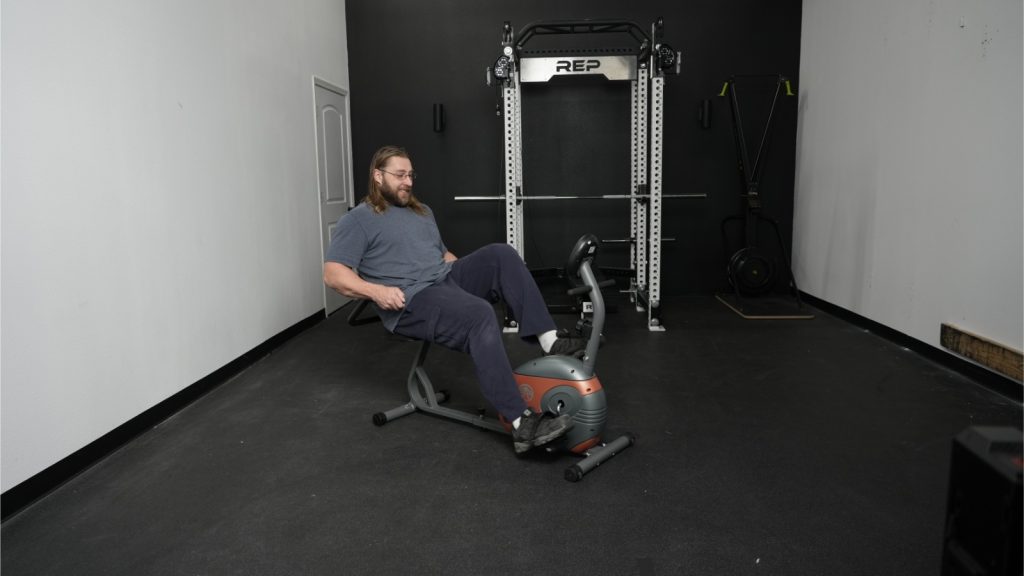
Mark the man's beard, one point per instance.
(392, 196)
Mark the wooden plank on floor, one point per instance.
(992, 355)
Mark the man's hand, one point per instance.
(389, 298)
(449, 257)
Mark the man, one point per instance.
(389, 250)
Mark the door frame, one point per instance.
(350, 184)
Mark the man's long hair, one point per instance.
(376, 198)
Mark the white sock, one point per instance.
(547, 340)
(515, 423)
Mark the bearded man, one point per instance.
(389, 250)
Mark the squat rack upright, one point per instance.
(644, 66)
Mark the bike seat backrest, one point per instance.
(354, 317)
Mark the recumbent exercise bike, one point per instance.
(554, 384)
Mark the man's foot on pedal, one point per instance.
(565, 346)
(539, 429)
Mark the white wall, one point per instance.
(159, 201)
(908, 207)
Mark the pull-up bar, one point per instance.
(563, 27)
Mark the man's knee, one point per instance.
(504, 253)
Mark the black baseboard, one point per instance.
(991, 380)
(17, 498)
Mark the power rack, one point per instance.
(644, 65)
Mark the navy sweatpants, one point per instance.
(458, 313)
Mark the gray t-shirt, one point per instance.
(397, 248)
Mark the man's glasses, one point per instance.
(400, 175)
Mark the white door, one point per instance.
(334, 163)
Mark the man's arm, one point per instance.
(346, 282)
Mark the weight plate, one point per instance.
(751, 272)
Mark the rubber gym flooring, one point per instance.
(775, 447)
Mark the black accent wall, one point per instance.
(407, 56)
